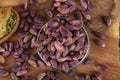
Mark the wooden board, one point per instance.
(108, 56)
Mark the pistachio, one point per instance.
(107, 20)
(49, 13)
(100, 43)
(90, 5)
(22, 23)
(33, 31)
(47, 41)
(2, 49)
(41, 64)
(57, 4)
(98, 34)
(24, 14)
(35, 2)
(11, 46)
(52, 46)
(103, 67)
(27, 38)
(25, 65)
(32, 13)
(51, 75)
(3, 73)
(32, 63)
(60, 0)
(70, 73)
(13, 76)
(98, 75)
(73, 63)
(87, 77)
(80, 77)
(53, 24)
(89, 61)
(54, 63)
(59, 46)
(6, 53)
(72, 8)
(21, 72)
(41, 76)
(65, 66)
(86, 15)
(37, 20)
(5, 45)
(62, 59)
(26, 26)
(72, 47)
(69, 41)
(2, 59)
(63, 9)
(65, 32)
(84, 3)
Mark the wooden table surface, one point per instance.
(108, 55)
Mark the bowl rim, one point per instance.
(81, 61)
(87, 52)
(5, 38)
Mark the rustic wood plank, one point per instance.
(108, 56)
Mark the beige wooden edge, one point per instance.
(6, 3)
(114, 28)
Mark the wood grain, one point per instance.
(13, 3)
(108, 56)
